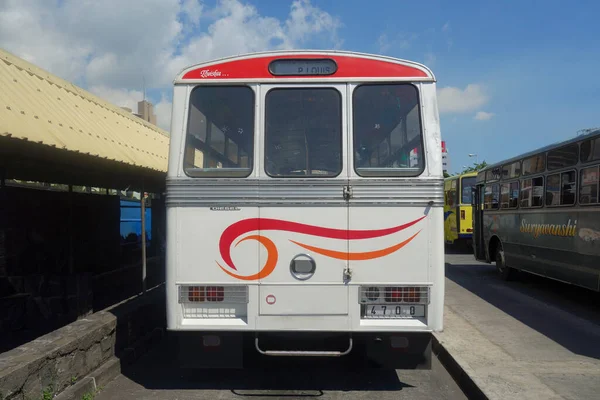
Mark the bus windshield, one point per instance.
(467, 185)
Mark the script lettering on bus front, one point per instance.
(207, 73)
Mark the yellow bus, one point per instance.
(458, 216)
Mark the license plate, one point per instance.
(394, 311)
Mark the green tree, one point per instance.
(475, 167)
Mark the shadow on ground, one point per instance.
(300, 377)
(567, 314)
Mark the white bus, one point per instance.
(305, 209)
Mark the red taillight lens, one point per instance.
(196, 293)
(462, 214)
(393, 294)
(470, 230)
(215, 293)
(404, 294)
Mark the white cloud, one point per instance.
(162, 109)
(446, 27)
(484, 116)
(453, 100)
(112, 45)
(119, 97)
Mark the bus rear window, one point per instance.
(303, 132)
(387, 130)
(220, 132)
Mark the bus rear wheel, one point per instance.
(507, 273)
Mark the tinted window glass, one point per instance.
(564, 157)
(534, 165)
(450, 192)
(387, 130)
(220, 132)
(511, 170)
(568, 188)
(553, 190)
(491, 197)
(493, 174)
(467, 185)
(532, 192)
(589, 184)
(590, 150)
(509, 195)
(303, 132)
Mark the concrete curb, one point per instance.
(464, 381)
(91, 383)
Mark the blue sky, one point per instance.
(525, 69)
(536, 59)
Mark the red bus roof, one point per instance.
(346, 66)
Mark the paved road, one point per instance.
(154, 378)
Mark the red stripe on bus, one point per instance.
(347, 67)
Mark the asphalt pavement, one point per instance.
(155, 376)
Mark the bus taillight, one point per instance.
(215, 293)
(404, 294)
(196, 293)
(208, 293)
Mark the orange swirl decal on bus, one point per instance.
(240, 228)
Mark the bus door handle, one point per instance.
(300, 353)
(347, 192)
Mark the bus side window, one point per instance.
(514, 195)
(561, 189)
(532, 192)
(568, 183)
(504, 195)
(553, 190)
(589, 185)
(492, 197)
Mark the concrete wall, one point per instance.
(60, 359)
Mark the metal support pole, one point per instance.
(143, 209)
(71, 232)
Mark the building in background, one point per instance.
(146, 111)
(445, 158)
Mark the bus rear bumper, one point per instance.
(379, 350)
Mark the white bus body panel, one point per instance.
(326, 302)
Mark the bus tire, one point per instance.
(506, 273)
